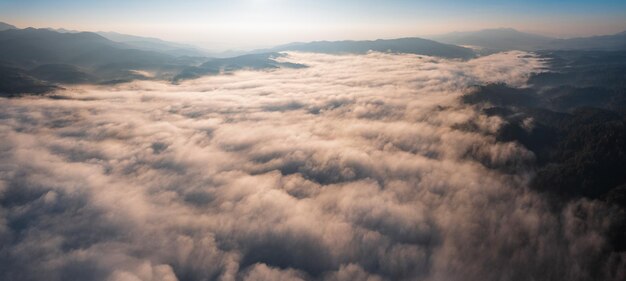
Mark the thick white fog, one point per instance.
(356, 168)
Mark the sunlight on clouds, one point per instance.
(358, 162)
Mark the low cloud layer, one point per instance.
(355, 168)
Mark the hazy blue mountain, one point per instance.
(225, 65)
(154, 44)
(32, 47)
(81, 57)
(15, 81)
(62, 30)
(6, 26)
(403, 45)
(605, 43)
(62, 73)
(510, 39)
(147, 43)
(229, 53)
(496, 39)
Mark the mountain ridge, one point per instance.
(6, 26)
(504, 39)
(411, 45)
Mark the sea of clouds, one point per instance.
(358, 167)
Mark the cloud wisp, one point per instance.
(354, 168)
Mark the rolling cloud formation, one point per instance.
(358, 167)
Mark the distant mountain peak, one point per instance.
(6, 26)
(509, 29)
(154, 44)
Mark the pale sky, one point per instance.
(244, 24)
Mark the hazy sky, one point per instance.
(218, 24)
